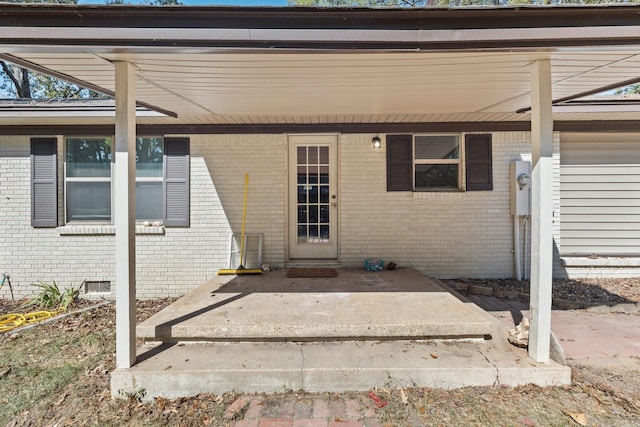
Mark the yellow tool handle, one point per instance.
(244, 218)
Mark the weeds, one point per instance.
(136, 396)
(51, 297)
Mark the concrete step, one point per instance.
(187, 369)
(357, 305)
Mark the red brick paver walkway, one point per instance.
(260, 411)
(582, 333)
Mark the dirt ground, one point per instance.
(57, 374)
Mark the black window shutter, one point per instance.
(44, 182)
(478, 162)
(399, 167)
(176, 182)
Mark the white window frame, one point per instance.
(67, 179)
(103, 179)
(416, 161)
(159, 179)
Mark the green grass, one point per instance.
(44, 363)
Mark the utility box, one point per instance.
(520, 177)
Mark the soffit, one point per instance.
(271, 86)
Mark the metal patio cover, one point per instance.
(298, 65)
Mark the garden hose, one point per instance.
(15, 320)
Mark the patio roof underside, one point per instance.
(217, 84)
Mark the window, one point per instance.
(162, 180)
(436, 162)
(88, 179)
(432, 162)
(149, 161)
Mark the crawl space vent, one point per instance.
(97, 287)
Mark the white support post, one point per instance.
(124, 214)
(541, 211)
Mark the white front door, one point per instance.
(313, 198)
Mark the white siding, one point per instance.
(600, 194)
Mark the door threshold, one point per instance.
(313, 263)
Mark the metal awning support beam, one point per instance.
(542, 211)
(125, 214)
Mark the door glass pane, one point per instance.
(302, 174)
(324, 214)
(324, 194)
(313, 233)
(313, 155)
(302, 233)
(313, 174)
(313, 204)
(302, 214)
(324, 174)
(302, 155)
(313, 214)
(324, 155)
(302, 194)
(313, 194)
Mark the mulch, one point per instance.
(593, 291)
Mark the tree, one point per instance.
(19, 78)
(629, 90)
(22, 83)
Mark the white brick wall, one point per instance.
(449, 234)
(168, 264)
(443, 234)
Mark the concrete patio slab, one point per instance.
(355, 305)
(354, 332)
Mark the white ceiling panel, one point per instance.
(346, 86)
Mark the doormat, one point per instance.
(311, 273)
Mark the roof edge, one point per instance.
(144, 16)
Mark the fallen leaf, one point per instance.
(528, 422)
(380, 403)
(161, 403)
(577, 417)
(59, 401)
(422, 410)
(403, 397)
(433, 356)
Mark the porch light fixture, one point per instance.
(376, 143)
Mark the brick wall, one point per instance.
(443, 234)
(167, 264)
(450, 234)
